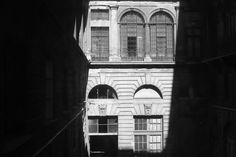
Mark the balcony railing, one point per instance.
(100, 58)
(162, 54)
(132, 55)
(162, 58)
(138, 55)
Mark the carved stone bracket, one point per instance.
(102, 109)
(147, 109)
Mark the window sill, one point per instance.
(132, 62)
(102, 134)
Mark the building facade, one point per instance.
(131, 47)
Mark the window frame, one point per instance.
(101, 42)
(150, 133)
(167, 34)
(148, 124)
(102, 125)
(98, 91)
(130, 28)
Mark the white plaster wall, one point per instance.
(126, 82)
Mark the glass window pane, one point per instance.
(144, 146)
(162, 35)
(140, 142)
(112, 121)
(103, 128)
(144, 138)
(158, 138)
(100, 42)
(136, 146)
(112, 128)
(93, 125)
(93, 121)
(132, 35)
(144, 127)
(93, 129)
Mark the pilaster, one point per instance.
(113, 34)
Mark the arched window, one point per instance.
(102, 92)
(132, 36)
(148, 91)
(162, 36)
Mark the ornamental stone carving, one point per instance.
(148, 109)
(102, 109)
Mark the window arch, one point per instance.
(132, 36)
(102, 92)
(162, 36)
(148, 91)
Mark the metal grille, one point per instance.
(98, 14)
(162, 36)
(100, 43)
(132, 36)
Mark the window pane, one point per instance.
(155, 124)
(112, 121)
(93, 128)
(112, 128)
(93, 121)
(140, 124)
(132, 34)
(161, 30)
(93, 125)
(140, 142)
(102, 128)
(155, 143)
(132, 46)
(112, 125)
(161, 46)
(144, 126)
(102, 124)
(136, 146)
(100, 42)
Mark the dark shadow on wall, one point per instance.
(43, 79)
(190, 123)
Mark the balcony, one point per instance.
(162, 54)
(162, 58)
(100, 56)
(132, 54)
